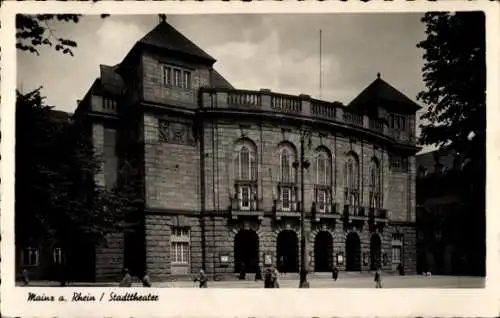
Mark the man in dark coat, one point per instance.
(127, 279)
(202, 279)
(335, 273)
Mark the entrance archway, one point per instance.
(353, 252)
(287, 251)
(323, 252)
(375, 252)
(246, 251)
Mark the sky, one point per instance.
(253, 51)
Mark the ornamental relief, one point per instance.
(176, 133)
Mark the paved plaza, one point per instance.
(347, 282)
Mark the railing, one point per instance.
(321, 208)
(244, 99)
(323, 109)
(299, 106)
(286, 207)
(251, 205)
(353, 118)
(286, 104)
(377, 125)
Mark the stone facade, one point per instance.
(190, 138)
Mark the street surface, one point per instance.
(346, 282)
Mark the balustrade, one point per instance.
(297, 105)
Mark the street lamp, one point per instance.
(304, 164)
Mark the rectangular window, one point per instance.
(286, 196)
(396, 254)
(245, 197)
(321, 200)
(187, 80)
(180, 246)
(177, 81)
(167, 76)
(30, 257)
(57, 255)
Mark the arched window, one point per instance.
(375, 184)
(351, 173)
(287, 190)
(323, 169)
(351, 179)
(287, 157)
(245, 165)
(245, 176)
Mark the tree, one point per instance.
(34, 31)
(455, 79)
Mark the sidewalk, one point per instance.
(412, 281)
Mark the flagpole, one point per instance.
(320, 64)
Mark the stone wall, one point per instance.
(109, 258)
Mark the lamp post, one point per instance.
(304, 164)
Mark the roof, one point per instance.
(164, 36)
(429, 160)
(382, 93)
(218, 81)
(111, 81)
(59, 116)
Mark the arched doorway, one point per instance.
(323, 252)
(375, 252)
(287, 251)
(353, 252)
(246, 251)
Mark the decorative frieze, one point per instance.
(176, 133)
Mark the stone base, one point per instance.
(221, 233)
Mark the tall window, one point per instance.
(287, 174)
(57, 255)
(180, 245)
(351, 180)
(245, 164)
(323, 179)
(375, 184)
(397, 248)
(286, 160)
(30, 256)
(323, 169)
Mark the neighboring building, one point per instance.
(219, 174)
(40, 258)
(449, 224)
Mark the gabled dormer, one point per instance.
(166, 68)
(382, 100)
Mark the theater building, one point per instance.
(220, 169)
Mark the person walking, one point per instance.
(242, 271)
(26, 279)
(275, 278)
(202, 279)
(127, 279)
(146, 280)
(378, 278)
(268, 278)
(335, 273)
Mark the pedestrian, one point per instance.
(258, 273)
(127, 279)
(146, 280)
(26, 279)
(242, 271)
(268, 278)
(275, 278)
(401, 270)
(282, 265)
(202, 279)
(335, 273)
(378, 278)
